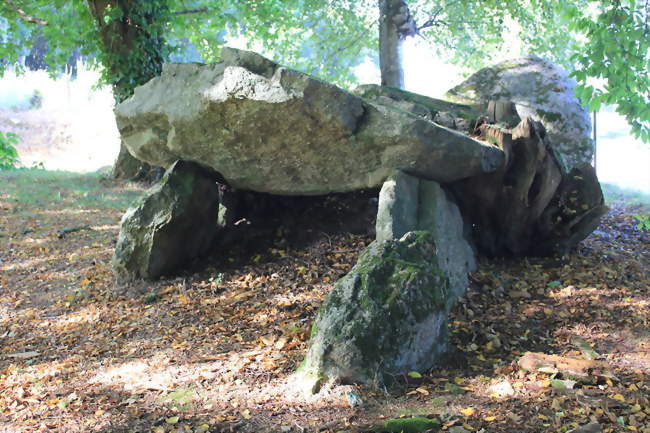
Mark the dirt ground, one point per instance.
(213, 349)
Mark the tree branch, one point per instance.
(24, 15)
(192, 11)
(432, 21)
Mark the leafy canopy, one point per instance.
(616, 51)
(606, 40)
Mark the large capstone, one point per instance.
(387, 317)
(407, 203)
(540, 90)
(270, 129)
(173, 223)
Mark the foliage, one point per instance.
(8, 152)
(618, 52)
(21, 22)
(644, 222)
(607, 39)
(323, 38)
(472, 33)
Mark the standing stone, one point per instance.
(398, 207)
(540, 90)
(385, 318)
(172, 224)
(407, 203)
(439, 214)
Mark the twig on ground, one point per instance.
(64, 232)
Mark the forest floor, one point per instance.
(213, 350)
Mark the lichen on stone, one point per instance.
(386, 317)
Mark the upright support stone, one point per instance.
(439, 214)
(398, 206)
(170, 226)
(407, 203)
(385, 318)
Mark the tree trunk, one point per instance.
(395, 24)
(529, 206)
(133, 51)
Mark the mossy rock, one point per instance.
(416, 424)
(387, 317)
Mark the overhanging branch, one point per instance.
(24, 15)
(192, 11)
(432, 21)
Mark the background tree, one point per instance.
(133, 50)
(604, 40)
(132, 38)
(617, 52)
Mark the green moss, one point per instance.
(508, 64)
(433, 105)
(409, 425)
(394, 286)
(314, 330)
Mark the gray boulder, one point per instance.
(407, 204)
(385, 318)
(540, 90)
(173, 223)
(270, 129)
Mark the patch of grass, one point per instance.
(30, 189)
(615, 195)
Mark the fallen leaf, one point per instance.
(469, 411)
(619, 397)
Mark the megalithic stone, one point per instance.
(271, 129)
(407, 203)
(172, 224)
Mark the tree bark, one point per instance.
(133, 50)
(395, 24)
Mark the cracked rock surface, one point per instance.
(271, 129)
